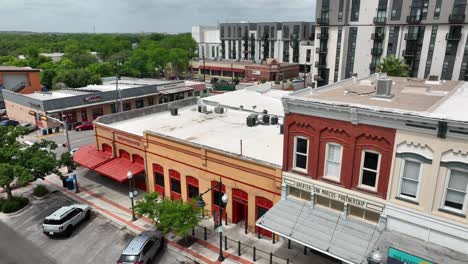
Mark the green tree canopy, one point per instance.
(393, 66)
(20, 163)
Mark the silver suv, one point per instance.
(142, 248)
(65, 219)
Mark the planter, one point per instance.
(41, 197)
(19, 211)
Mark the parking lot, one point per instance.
(95, 241)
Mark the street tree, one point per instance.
(21, 163)
(169, 215)
(393, 66)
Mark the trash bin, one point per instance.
(70, 184)
(57, 129)
(44, 132)
(64, 181)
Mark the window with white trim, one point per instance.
(410, 179)
(333, 156)
(301, 150)
(370, 165)
(456, 197)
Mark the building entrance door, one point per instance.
(239, 206)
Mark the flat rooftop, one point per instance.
(438, 99)
(106, 86)
(218, 131)
(17, 69)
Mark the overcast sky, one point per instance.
(143, 15)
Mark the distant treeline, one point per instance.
(134, 55)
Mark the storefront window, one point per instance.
(97, 113)
(329, 203)
(364, 214)
(127, 106)
(139, 104)
(298, 193)
(150, 101)
(113, 108)
(175, 186)
(84, 116)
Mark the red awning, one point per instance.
(118, 168)
(90, 157)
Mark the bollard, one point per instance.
(245, 230)
(238, 248)
(225, 242)
(254, 249)
(289, 243)
(226, 220)
(204, 233)
(258, 234)
(273, 239)
(305, 250)
(271, 258)
(193, 232)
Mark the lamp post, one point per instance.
(223, 200)
(131, 194)
(119, 96)
(375, 257)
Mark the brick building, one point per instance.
(22, 80)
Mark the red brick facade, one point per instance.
(353, 138)
(271, 72)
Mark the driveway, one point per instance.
(96, 241)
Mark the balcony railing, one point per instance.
(413, 19)
(380, 20)
(411, 36)
(377, 36)
(322, 35)
(321, 50)
(409, 53)
(323, 21)
(320, 65)
(453, 36)
(457, 18)
(376, 51)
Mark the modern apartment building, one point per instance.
(287, 42)
(354, 35)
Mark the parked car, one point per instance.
(9, 123)
(142, 248)
(30, 127)
(65, 219)
(84, 126)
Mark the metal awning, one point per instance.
(176, 90)
(90, 157)
(117, 169)
(323, 230)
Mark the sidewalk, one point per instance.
(110, 199)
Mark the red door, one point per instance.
(124, 154)
(158, 173)
(240, 201)
(140, 179)
(262, 206)
(106, 148)
(174, 177)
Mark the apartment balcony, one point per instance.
(413, 19)
(411, 36)
(380, 20)
(453, 36)
(409, 53)
(320, 65)
(321, 21)
(376, 51)
(457, 18)
(321, 50)
(322, 35)
(378, 36)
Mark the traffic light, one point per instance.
(33, 113)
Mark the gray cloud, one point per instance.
(144, 15)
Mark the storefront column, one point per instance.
(382, 222)
(345, 211)
(284, 187)
(312, 195)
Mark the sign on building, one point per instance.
(396, 256)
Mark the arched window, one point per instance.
(158, 174)
(176, 192)
(192, 187)
(124, 154)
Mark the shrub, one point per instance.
(14, 204)
(263, 81)
(2, 201)
(277, 82)
(40, 191)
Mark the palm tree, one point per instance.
(393, 66)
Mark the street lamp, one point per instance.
(131, 194)
(375, 258)
(223, 200)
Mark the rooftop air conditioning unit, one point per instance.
(252, 120)
(384, 88)
(219, 110)
(174, 111)
(202, 108)
(274, 120)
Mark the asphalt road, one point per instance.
(94, 241)
(77, 139)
